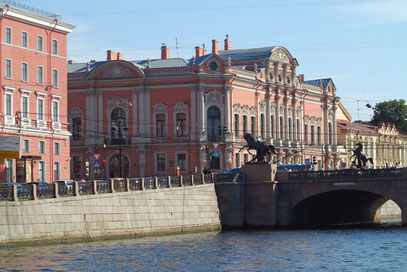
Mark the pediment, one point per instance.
(116, 70)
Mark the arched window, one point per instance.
(289, 128)
(262, 126)
(213, 124)
(76, 128)
(118, 167)
(281, 127)
(253, 125)
(244, 124)
(312, 135)
(298, 130)
(181, 124)
(237, 125)
(118, 127)
(272, 126)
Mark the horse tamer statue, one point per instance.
(262, 149)
(360, 158)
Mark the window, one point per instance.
(57, 148)
(24, 39)
(54, 78)
(39, 43)
(8, 35)
(237, 160)
(9, 105)
(40, 109)
(76, 128)
(9, 170)
(24, 71)
(24, 107)
(237, 125)
(298, 130)
(118, 126)
(160, 161)
(319, 135)
(8, 68)
(289, 128)
(57, 171)
(160, 129)
(213, 124)
(253, 125)
(272, 126)
(77, 164)
(42, 171)
(246, 158)
(281, 127)
(306, 133)
(312, 135)
(40, 75)
(41, 147)
(182, 162)
(262, 126)
(244, 124)
(181, 124)
(55, 111)
(55, 47)
(26, 145)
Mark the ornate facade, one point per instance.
(383, 143)
(175, 108)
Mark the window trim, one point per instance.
(39, 147)
(5, 104)
(27, 112)
(42, 75)
(177, 153)
(54, 46)
(42, 43)
(55, 118)
(6, 40)
(40, 117)
(156, 162)
(24, 73)
(58, 164)
(26, 39)
(55, 80)
(8, 72)
(57, 148)
(26, 149)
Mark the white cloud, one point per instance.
(378, 12)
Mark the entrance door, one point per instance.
(114, 167)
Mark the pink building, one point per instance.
(33, 93)
(150, 117)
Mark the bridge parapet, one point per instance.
(341, 175)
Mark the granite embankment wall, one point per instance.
(115, 214)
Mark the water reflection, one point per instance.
(312, 250)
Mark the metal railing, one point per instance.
(31, 9)
(78, 188)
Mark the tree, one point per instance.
(393, 111)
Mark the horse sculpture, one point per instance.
(360, 158)
(262, 149)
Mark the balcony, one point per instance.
(41, 124)
(56, 126)
(10, 120)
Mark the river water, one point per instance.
(373, 249)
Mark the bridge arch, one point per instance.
(341, 206)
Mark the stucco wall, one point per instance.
(128, 213)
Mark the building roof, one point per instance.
(360, 126)
(162, 63)
(318, 82)
(246, 54)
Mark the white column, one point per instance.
(100, 117)
(141, 120)
(267, 119)
(228, 91)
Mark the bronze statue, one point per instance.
(360, 158)
(262, 149)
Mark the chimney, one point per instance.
(111, 55)
(302, 77)
(119, 56)
(70, 61)
(165, 52)
(203, 50)
(198, 51)
(215, 46)
(227, 43)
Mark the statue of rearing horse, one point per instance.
(262, 149)
(360, 158)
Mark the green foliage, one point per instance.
(393, 111)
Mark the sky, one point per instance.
(360, 44)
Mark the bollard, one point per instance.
(181, 181)
(111, 185)
(95, 187)
(14, 193)
(56, 194)
(75, 188)
(34, 191)
(142, 184)
(169, 181)
(127, 184)
(192, 180)
(155, 183)
(203, 178)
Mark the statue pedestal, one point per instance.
(256, 172)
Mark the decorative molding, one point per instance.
(118, 102)
(213, 97)
(160, 108)
(245, 109)
(262, 106)
(117, 71)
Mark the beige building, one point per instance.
(383, 143)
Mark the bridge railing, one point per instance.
(345, 174)
(114, 185)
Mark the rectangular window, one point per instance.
(40, 75)
(57, 148)
(55, 111)
(312, 135)
(55, 47)
(24, 71)
(77, 165)
(237, 160)
(237, 125)
(76, 128)
(8, 35)
(40, 109)
(306, 133)
(42, 171)
(39, 43)
(160, 130)
(161, 162)
(24, 106)
(54, 78)
(57, 171)
(24, 39)
(182, 162)
(253, 125)
(244, 124)
(319, 135)
(181, 124)
(26, 145)
(8, 68)
(246, 158)
(9, 170)
(41, 147)
(8, 104)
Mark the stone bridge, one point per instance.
(311, 198)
